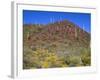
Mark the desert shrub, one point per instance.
(86, 57)
(66, 60)
(86, 60)
(72, 60)
(50, 61)
(42, 58)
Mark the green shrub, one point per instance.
(44, 58)
(73, 60)
(41, 58)
(86, 57)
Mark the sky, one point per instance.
(45, 17)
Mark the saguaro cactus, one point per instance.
(76, 34)
(28, 36)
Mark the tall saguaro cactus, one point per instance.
(76, 34)
(83, 27)
(28, 36)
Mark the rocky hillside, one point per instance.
(64, 38)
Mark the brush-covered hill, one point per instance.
(63, 38)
